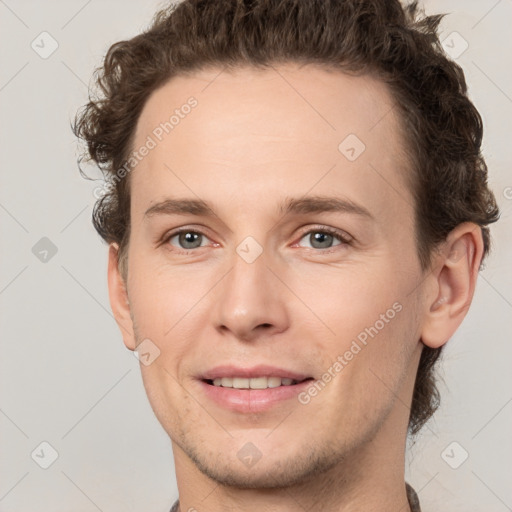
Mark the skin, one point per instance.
(254, 139)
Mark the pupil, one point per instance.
(189, 238)
(324, 239)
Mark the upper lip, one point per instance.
(252, 372)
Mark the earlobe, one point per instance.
(119, 298)
(452, 284)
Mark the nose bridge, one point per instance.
(250, 296)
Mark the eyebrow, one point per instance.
(303, 205)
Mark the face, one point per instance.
(272, 249)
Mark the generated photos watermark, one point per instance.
(358, 344)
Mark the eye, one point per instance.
(320, 238)
(186, 239)
(324, 238)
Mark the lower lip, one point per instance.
(252, 400)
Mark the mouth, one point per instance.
(249, 390)
(254, 382)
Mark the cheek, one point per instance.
(364, 368)
(349, 298)
(369, 319)
(170, 306)
(161, 295)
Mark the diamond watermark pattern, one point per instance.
(454, 45)
(44, 250)
(249, 249)
(44, 45)
(44, 455)
(454, 455)
(249, 454)
(146, 352)
(351, 147)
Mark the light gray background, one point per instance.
(65, 375)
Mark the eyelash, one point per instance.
(343, 238)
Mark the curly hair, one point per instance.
(442, 128)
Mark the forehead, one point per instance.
(272, 101)
(283, 127)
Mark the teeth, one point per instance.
(274, 382)
(240, 383)
(254, 383)
(258, 383)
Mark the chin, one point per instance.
(273, 472)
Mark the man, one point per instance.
(297, 212)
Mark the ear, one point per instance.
(118, 296)
(452, 284)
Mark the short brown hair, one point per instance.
(380, 37)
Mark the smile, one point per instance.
(252, 383)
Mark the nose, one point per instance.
(251, 301)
